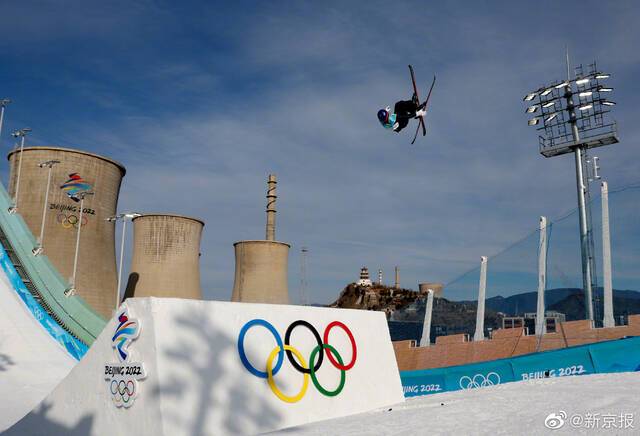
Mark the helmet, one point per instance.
(383, 116)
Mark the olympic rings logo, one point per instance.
(71, 220)
(316, 358)
(479, 381)
(123, 391)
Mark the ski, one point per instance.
(421, 123)
(417, 98)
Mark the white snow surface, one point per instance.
(509, 409)
(32, 363)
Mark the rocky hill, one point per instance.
(375, 297)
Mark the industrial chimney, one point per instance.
(437, 288)
(261, 266)
(166, 257)
(96, 274)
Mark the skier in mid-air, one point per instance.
(403, 111)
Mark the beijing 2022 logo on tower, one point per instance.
(314, 365)
(122, 378)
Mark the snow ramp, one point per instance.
(32, 363)
(187, 367)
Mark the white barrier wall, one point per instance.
(187, 373)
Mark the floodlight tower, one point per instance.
(567, 127)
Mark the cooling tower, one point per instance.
(166, 257)
(261, 266)
(437, 288)
(96, 274)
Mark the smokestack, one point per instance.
(437, 288)
(271, 208)
(397, 284)
(261, 266)
(166, 257)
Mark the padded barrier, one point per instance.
(620, 355)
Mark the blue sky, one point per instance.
(200, 101)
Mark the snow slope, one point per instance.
(32, 363)
(513, 408)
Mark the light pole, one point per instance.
(72, 289)
(48, 164)
(3, 103)
(568, 127)
(113, 219)
(22, 133)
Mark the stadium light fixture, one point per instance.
(532, 109)
(20, 133)
(122, 216)
(81, 195)
(529, 97)
(572, 126)
(3, 103)
(40, 241)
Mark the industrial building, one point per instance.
(262, 265)
(166, 257)
(96, 270)
(437, 288)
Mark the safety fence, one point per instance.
(621, 355)
(513, 277)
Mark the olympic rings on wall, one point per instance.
(298, 362)
(479, 381)
(122, 391)
(71, 220)
(272, 383)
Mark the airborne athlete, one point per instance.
(404, 110)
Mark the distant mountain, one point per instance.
(573, 305)
(527, 302)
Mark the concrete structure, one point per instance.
(482, 288)
(607, 318)
(397, 282)
(437, 288)
(96, 276)
(425, 340)
(542, 277)
(197, 383)
(166, 257)
(364, 277)
(262, 266)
